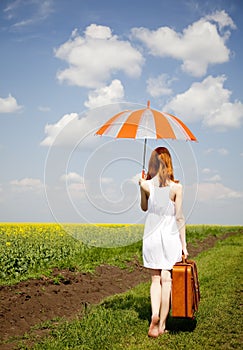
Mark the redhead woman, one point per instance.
(164, 237)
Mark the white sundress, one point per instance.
(161, 240)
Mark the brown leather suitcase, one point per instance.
(185, 295)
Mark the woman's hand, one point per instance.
(141, 180)
(185, 252)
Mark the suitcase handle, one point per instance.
(183, 258)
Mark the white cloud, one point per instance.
(206, 171)
(9, 105)
(208, 151)
(52, 130)
(79, 130)
(198, 46)
(73, 130)
(33, 12)
(11, 7)
(98, 32)
(44, 109)
(107, 180)
(105, 95)
(221, 151)
(76, 188)
(71, 177)
(27, 184)
(214, 178)
(159, 86)
(45, 8)
(222, 19)
(215, 192)
(24, 23)
(208, 101)
(228, 115)
(96, 56)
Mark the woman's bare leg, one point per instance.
(165, 299)
(155, 296)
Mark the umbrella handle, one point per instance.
(144, 155)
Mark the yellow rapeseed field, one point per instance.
(27, 248)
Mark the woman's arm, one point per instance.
(144, 190)
(180, 217)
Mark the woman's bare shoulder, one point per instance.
(176, 186)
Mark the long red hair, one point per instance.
(161, 163)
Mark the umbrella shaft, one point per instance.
(144, 152)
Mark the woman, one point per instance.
(164, 233)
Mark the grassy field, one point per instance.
(121, 321)
(32, 250)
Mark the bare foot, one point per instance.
(163, 331)
(154, 327)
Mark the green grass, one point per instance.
(199, 232)
(31, 250)
(121, 321)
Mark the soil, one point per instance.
(35, 301)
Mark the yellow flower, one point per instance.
(8, 244)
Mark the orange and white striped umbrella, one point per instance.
(146, 124)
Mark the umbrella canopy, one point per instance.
(146, 124)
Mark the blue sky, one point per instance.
(67, 66)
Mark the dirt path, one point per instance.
(29, 303)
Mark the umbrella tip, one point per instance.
(148, 104)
